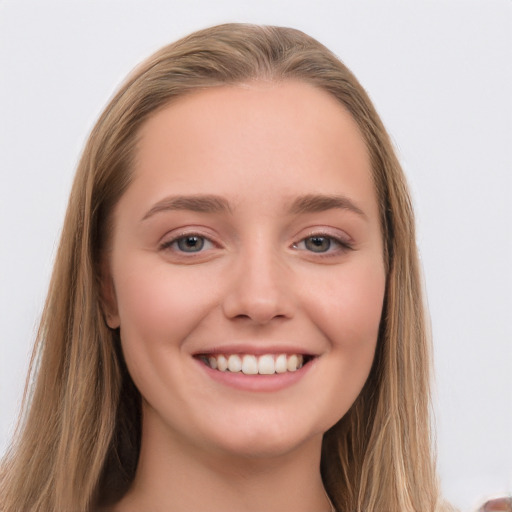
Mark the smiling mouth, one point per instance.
(248, 364)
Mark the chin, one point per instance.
(266, 437)
(265, 446)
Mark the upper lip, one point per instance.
(256, 349)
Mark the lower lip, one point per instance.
(256, 383)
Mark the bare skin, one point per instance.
(251, 229)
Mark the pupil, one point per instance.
(191, 243)
(318, 243)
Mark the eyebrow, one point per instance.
(313, 203)
(195, 203)
(310, 203)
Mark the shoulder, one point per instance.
(502, 504)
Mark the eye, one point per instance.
(188, 244)
(317, 243)
(323, 244)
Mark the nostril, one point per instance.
(258, 294)
(260, 312)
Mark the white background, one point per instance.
(440, 74)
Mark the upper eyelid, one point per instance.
(174, 239)
(328, 232)
(177, 233)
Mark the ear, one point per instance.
(108, 295)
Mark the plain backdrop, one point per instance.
(440, 75)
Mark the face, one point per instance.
(249, 238)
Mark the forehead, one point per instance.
(265, 107)
(287, 136)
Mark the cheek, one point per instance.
(348, 310)
(349, 316)
(159, 307)
(156, 305)
(350, 305)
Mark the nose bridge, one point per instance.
(259, 289)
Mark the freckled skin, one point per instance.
(256, 279)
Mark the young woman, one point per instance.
(235, 318)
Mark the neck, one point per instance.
(173, 476)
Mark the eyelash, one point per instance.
(340, 245)
(168, 245)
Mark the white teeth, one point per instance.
(234, 363)
(266, 365)
(248, 364)
(222, 363)
(292, 363)
(281, 365)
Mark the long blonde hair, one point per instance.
(78, 442)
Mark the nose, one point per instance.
(260, 289)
